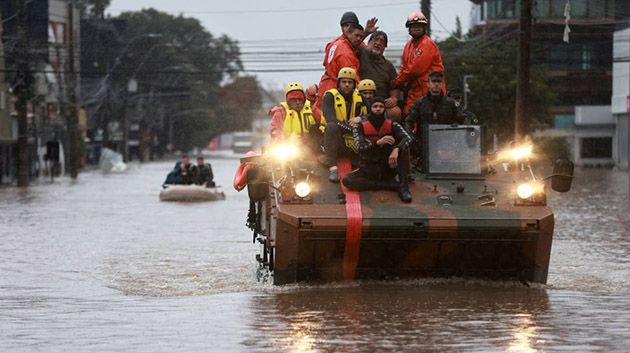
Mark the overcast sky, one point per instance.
(295, 30)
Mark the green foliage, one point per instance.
(93, 8)
(241, 99)
(491, 60)
(182, 66)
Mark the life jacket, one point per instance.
(370, 131)
(357, 108)
(297, 123)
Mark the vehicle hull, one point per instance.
(467, 237)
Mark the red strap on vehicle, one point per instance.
(353, 226)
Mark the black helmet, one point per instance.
(349, 17)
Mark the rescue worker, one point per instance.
(311, 97)
(202, 174)
(382, 146)
(420, 57)
(374, 66)
(367, 89)
(342, 108)
(342, 53)
(294, 118)
(434, 108)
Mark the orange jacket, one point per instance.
(419, 59)
(339, 54)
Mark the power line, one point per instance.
(241, 12)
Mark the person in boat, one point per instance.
(294, 118)
(342, 108)
(183, 170)
(374, 66)
(340, 53)
(202, 174)
(420, 57)
(382, 145)
(181, 174)
(367, 89)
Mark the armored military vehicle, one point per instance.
(473, 215)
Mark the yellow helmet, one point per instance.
(347, 72)
(293, 86)
(367, 85)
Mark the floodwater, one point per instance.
(100, 265)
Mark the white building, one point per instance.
(620, 102)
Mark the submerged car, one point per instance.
(472, 215)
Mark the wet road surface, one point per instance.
(101, 265)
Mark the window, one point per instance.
(557, 8)
(596, 147)
(586, 57)
(578, 8)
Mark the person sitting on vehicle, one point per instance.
(382, 145)
(311, 97)
(341, 111)
(434, 108)
(294, 118)
(202, 173)
(375, 66)
(367, 90)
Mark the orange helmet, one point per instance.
(416, 17)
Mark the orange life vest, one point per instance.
(370, 131)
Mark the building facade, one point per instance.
(580, 70)
(620, 103)
(47, 25)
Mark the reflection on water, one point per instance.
(101, 265)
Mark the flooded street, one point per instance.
(101, 265)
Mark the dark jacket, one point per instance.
(369, 151)
(433, 110)
(203, 174)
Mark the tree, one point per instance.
(183, 65)
(93, 8)
(241, 99)
(491, 60)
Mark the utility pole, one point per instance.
(71, 111)
(21, 90)
(425, 8)
(522, 71)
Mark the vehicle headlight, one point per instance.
(302, 189)
(527, 190)
(517, 153)
(284, 152)
(522, 152)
